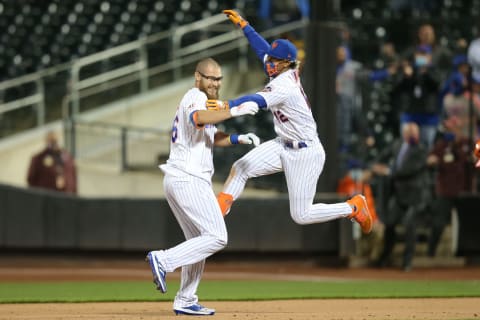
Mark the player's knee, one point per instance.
(219, 242)
(233, 171)
(238, 167)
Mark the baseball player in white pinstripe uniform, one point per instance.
(188, 188)
(297, 150)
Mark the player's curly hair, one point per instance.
(294, 64)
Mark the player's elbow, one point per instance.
(300, 219)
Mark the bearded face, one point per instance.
(209, 81)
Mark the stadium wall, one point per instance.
(44, 220)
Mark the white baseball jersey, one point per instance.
(191, 148)
(189, 193)
(293, 119)
(296, 151)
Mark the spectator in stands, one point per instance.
(458, 78)
(456, 93)
(474, 57)
(474, 61)
(456, 102)
(451, 156)
(53, 168)
(416, 93)
(349, 111)
(404, 162)
(353, 129)
(440, 56)
(389, 57)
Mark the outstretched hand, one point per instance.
(248, 107)
(236, 18)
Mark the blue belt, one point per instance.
(295, 144)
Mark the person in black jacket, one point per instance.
(404, 162)
(416, 93)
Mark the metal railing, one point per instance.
(139, 68)
(77, 84)
(217, 37)
(118, 146)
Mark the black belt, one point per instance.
(295, 144)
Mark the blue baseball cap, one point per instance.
(282, 49)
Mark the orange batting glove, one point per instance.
(213, 104)
(236, 18)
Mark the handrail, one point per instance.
(117, 126)
(115, 51)
(213, 41)
(123, 138)
(20, 103)
(110, 75)
(229, 39)
(34, 76)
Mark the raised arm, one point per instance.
(257, 42)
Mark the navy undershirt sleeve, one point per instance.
(257, 42)
(262, 104)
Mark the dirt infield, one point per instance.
(60, 269)
(279, 310)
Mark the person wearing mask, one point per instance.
(416, 94)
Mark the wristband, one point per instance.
(234, 138)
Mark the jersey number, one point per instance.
(175, 129)
(280, 116)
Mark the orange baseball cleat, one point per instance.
(360, 213)
(225, 202)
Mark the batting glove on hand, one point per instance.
(236, 18)
(248, 107)
(213, 104)
(249, 138)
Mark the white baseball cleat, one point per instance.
(194, 310)
(158, 273)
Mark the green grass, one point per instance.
(233, 290)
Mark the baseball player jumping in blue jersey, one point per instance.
(297, 150)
